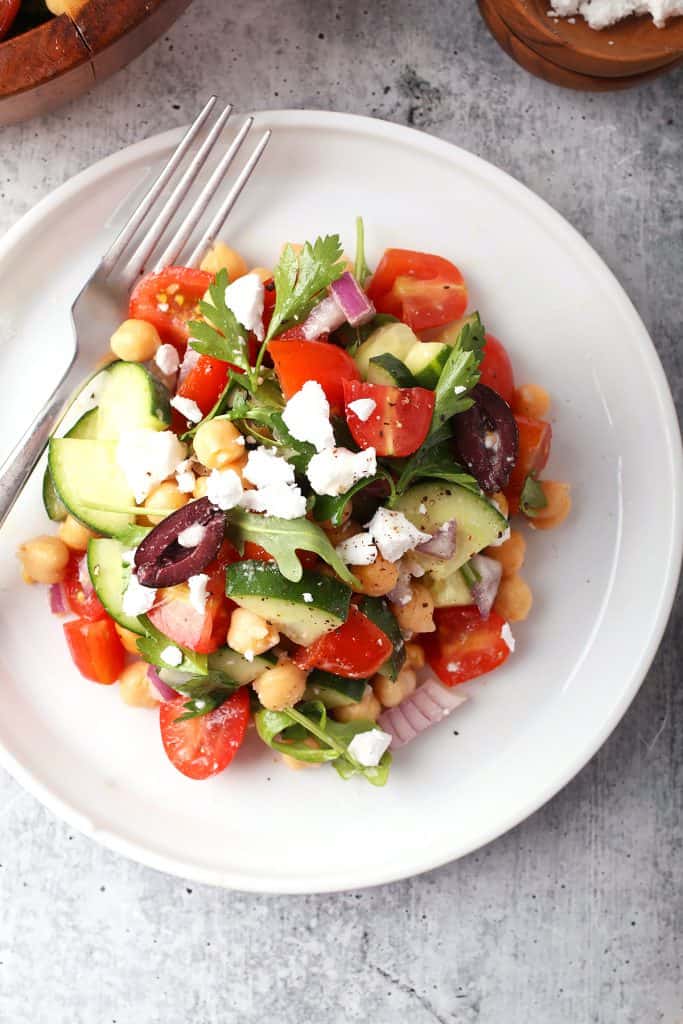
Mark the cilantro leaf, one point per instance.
(219, 334)
(300, 278)
(361, 270)
(532, 499)
(332, 508)
(460, 373)
(281, 538)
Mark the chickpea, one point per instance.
(376, 579)
(531, 400)
(136, 341)
(248, 632)
(44, 559)
(74, 534)
(368, 708)
(558, 508)
(514, 599)
(218, 443)
(415, 656)
(418, 614)
(282, 686)
(337, 534)
(166, 496)
(510, 554)
(502, 503)
(221, 257)
(128, 638)
(134, 686)
(263, 273)
(390, 692)
(201, 486)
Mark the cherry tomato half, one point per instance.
(535, 438)
(420, 289)
(203, 746)
(79, 591)
(355, 650)
(464, 645)
(299, 361)
(168, 299)
(399, 422)
(96, 649)
(496, 368)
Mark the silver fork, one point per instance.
(98, 309)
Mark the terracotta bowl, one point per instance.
(66, 55)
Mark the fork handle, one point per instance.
(20, 463)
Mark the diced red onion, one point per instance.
(325, 317)
(357, 307)
(402, 592)
(428, 704)
(190, 360)
(485, 590)
(57, 599)
(84, 576)
(442, 543)
(162, 690)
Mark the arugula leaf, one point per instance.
(272, 724)
(460, 373)
(532, 499)
(281, 538)
(204, 693)
(300, 278)
(219, 335)
(332, 508)
(398, 370)
(361, 270)
(151, 646)
(434, 460)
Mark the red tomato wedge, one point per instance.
(299, 361)
(535, 438)
(82, 600)
(464, 645)
(8, 12)
(496, 369)
(201, 747)
(355, 650)
(96, 649)
(168, 299)
(205, 382)
(202, 632)
(400, 421)
(421, 290)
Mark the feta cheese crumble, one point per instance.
(279, 499)
(307, 416)
(308, 598)
(335, 470)
(191, 536)
(394, 534)
(167, 359)
(245, 298)
(184, 477)
(369, 747)
(198, 592)
(137, 600)
(187, 408)
(358, 550)
(224, 488)
(172, 656)
(506, 635)
(363, 408)
(265, 467)
(602, 13)
(147, 457)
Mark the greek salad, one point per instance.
(291, 505)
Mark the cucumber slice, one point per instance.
(451, 590)
(110, 578)
(334, 691)
(237, 667)
(387, 369)
(86, 473)
(86, 427)
(261, 587)
(426, 360)
(379, 612)
(131, 399)
(478, 522)
(396, 339)
(449, 335)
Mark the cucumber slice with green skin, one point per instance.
(478, 523)
(449, 591)
(395, 339)
(261, 588)
(387, 369)
(86, 427)
(131, 399)
(426, 360)
(379, 612)
(237, 667)
(85, 473)
(110, 578)
(334, 691)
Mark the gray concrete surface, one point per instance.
(576, 916)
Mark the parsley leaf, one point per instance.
(361, 270)
(532, 499)
(460, 373)
(281, 538)
(300, 278)
(219, 335)
(434, 460)
(204, 693)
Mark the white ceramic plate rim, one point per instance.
(560, 774)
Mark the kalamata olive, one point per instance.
(165, 557)
(487, 440)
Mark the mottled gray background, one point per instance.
(576, 916)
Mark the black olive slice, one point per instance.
(161, 561)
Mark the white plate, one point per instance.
(603, 584)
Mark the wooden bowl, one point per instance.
(631, 47)
(541, 67)
(65, 56)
